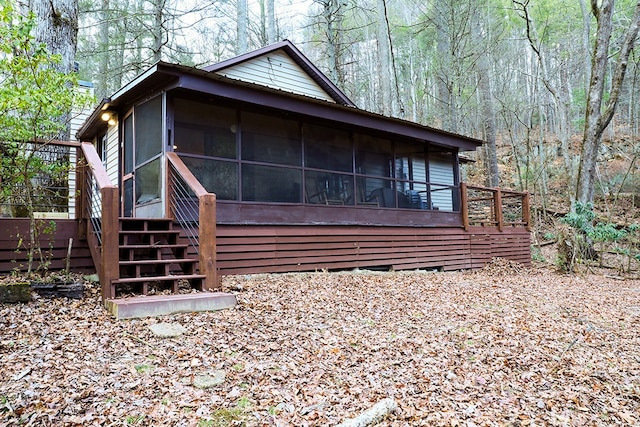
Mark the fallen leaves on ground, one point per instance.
(500, 346)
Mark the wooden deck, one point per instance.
(247, 238)
(250, 249)
(13, 257)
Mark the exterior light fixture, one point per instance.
(109, 118)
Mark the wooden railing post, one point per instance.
(464, 206)
(81, 206)
(110, 241)
(104, 249)
(497, 207)
(207, 232)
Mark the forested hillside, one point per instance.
(550, 85)
(514, 73)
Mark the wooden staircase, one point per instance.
(152, 259)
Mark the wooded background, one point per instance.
(539, 80)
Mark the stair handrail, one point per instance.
(98, 210)
(495, 198)
(181, 180)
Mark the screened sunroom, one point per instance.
(248, 156)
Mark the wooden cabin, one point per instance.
(261, 164)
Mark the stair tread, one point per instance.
(157, 261)
(143, 232)
(132, 218)
(158, 278)
(154, 245)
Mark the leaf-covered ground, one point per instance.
(500, 346)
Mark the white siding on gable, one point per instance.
(80, 115)
(441, 172)
(277, 70)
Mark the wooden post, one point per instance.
(526, 212)
(464, 206)
(497, 207)
(110, 268)
(207, 232)
(169, 191)
(81, 194)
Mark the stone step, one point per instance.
(162, 305)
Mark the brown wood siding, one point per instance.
(249, 249)
(11, 230)
(234, 213)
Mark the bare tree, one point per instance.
(557, 89)
(596, 118)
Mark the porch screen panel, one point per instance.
(128, 144)
(148, 130)
(204, 129)
(327, 148)
(270, 139)
(411, 173)
(148, 182)
(219, 177)
(441, 177)
(374, 159)
(329, 188)
(271, 184)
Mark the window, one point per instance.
(128, 144)
(205, 136)
(411, 175)
(101, 148)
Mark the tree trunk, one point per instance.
(57, 28)
(596, 119)
(444, 84)
(488, 118)
(271, 22)
(332, 21)
(102, 82)
(158, 30)
(242, 36)
(384, 58)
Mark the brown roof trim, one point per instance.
(168, 77)
(260, 96)
(298, 57)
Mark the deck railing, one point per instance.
(98, 212)
(483, 206)
(188, 203)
